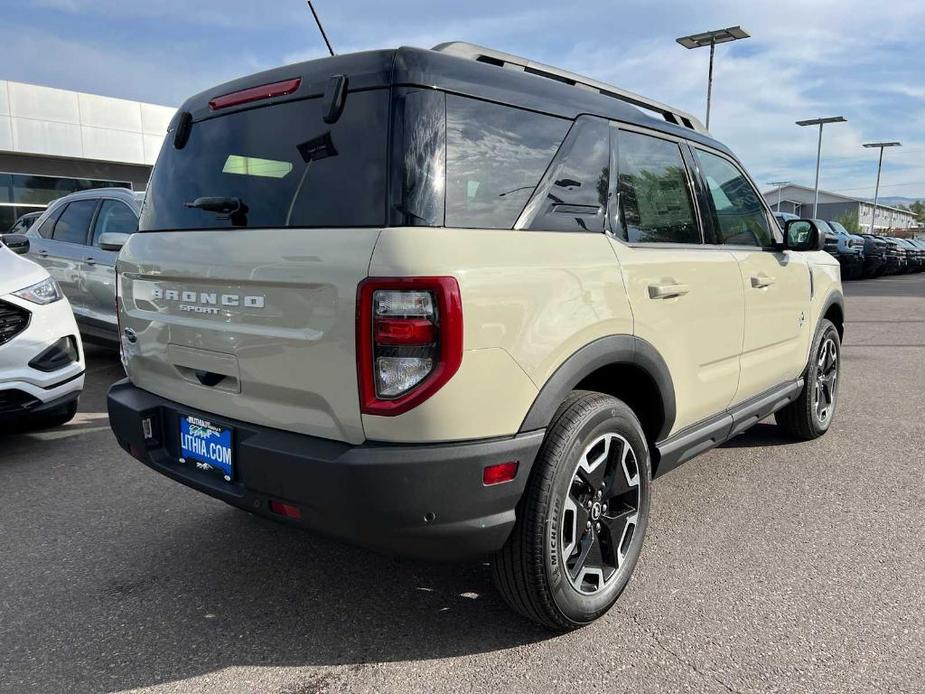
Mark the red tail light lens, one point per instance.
(264, 91)
(409, 340)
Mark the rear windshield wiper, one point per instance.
(231, 208)
(219, 204)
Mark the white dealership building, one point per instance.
(55, 141)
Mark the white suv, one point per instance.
(41, 357)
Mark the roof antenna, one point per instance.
(320, 28)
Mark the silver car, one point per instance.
(77, 239)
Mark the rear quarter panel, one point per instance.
(530, 300)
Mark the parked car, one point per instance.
(503, 300)
(784, 217)
(846, 247)
(21, 225)
(895, 257)
(875, 255)
(41, 357)
(902, 255)
(77, 239)
(915, 257)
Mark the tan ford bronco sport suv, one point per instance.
(452, 303)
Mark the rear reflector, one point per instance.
(264, 91)
(497, 474)
(285, 510)
(404, 331)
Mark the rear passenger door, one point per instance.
(99, 274)
(686, 297)
(67, 249)
(776, 283)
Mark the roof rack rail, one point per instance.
(507, 60)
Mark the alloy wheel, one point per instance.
(826, 385)
(601, 513)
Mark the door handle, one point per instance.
(43, 253)
(90, 261)
(667, 291)
(762, 281)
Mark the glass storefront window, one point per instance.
(28, 189)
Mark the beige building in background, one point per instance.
(55, 141)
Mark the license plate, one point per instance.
(206, 445)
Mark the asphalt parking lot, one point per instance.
(769, 566)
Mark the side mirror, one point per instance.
(18, 243)
(112, 241)
(802, 235)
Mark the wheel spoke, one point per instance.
(612, 529)
(585, 548)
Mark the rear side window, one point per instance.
(655, 200)
(739, 217)
(276, 166)
(48, 225)
(495, 157)
(74, 223)
(114, 218)
(574, 191)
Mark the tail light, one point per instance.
(123, 357)
(245, 96)
(409, 340)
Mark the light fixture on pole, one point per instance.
(780, 186)
(882, 146)
(711, 38)
(820, 122)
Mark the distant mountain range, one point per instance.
(894, 200)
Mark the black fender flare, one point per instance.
(835, 298)
(605, 351)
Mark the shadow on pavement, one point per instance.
(225, 589)
(758, 436)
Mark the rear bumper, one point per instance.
(416, 500)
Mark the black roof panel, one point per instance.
(433, 69)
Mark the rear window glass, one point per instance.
(573, 195)
(276, 166)
(495, 157)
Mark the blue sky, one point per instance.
(806, 58)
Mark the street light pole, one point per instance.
(780, 189)
(882, 146)
(711, 38)
(820, 122)
(710, 79)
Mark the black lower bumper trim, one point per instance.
(424, 500)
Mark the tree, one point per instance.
(850, 222)
(918, 209)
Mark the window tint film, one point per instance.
(115, 217)
(495, 156)
(573, 194)
(738, 215)
(74, 223)
(276, 166)
(655, 199)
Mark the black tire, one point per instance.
(532, 571)
(55, 418)
(802, 418)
